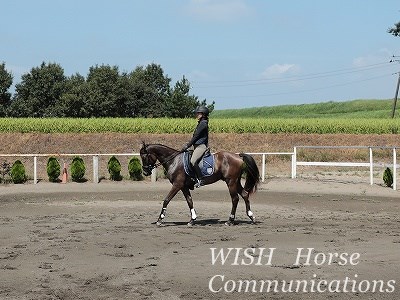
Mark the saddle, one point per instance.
(206, 164)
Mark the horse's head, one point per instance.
(148, 160)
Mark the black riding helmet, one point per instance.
(202, 109)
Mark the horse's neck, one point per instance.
(162, 152)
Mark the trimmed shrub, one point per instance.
(135, 169)
(78, 169)
(114, 168)
(388, 177)
(18, 172)
(53, 169)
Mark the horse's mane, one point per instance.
(162, 146)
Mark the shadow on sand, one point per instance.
(205, 222)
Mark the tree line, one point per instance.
(105, 92)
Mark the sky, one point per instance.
(238, 53)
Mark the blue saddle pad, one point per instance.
(206, 165)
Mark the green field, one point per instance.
(380, 109)
(359, 117)
(271, 125)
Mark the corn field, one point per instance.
(164, 125)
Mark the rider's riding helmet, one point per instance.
(202, 109)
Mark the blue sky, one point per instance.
(238, 53)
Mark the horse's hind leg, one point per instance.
(245, 195)
(189, 201)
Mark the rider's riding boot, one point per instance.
(199, 176)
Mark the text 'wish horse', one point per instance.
(228, 167)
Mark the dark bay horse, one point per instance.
(228, 167)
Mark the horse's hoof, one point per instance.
(229, 223)
(159, 223)
(191, 222)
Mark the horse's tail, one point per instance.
(252, 173)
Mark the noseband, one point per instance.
(150, 166)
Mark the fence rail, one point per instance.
(369, 164)
(95, 159)
(294, 162)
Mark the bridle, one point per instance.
(151, 166)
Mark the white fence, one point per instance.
(294, 162)
(264, 160)
(95, 159)
(370, 164)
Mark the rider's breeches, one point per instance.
(198, 153)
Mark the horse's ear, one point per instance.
(144, 146)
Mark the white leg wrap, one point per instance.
(232, 217)
(163, 212)
(193, 214)
(250, 213)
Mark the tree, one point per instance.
(105, 92)
(102, 92)
(181, 104)
(395, 30)
(6, 80)
(72, 101)
(39, 91)
(151, 90)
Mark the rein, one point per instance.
(171, 157)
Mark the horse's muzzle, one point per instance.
(147, 170)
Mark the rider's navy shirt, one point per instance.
(200, 135)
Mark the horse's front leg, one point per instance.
(168, 198)
(235, 200)
(189, 201)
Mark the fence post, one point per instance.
(263, 168)
(95, 168)
(371, 167)
(35, 170)
(154, 175)
(294, 162)
(394, 169)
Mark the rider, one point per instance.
(199, 141)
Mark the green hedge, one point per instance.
(78, 169)
(114, 168)
(135, 169)
(18, 172)
(53, 169)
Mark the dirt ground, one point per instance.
(99, 241)
(131, 142)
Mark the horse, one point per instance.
(228, 167)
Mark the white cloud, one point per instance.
(277, 70)
(218, 10)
